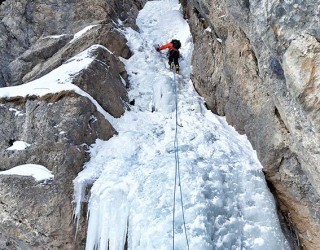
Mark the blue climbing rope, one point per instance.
(177, 169)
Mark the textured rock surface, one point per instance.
(103, 34)
(42, 50)
(23, 22)
(35, 38)
(59, 128)
(257, 63)
(102, 80)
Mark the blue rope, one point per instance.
(177, 169)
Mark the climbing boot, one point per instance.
(171, 66)
(177, 69)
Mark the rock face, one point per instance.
(257, 63)
(28, 66)
(23, 22)
(35, 38)
(35, 213)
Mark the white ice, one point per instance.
(38, 172)
(19, 145)
(226, 200)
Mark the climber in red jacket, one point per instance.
(174, 54)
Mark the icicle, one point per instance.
(79, 193)
(108, 216)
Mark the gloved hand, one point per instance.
(158, 49)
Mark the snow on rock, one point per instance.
(38, 172)
(208, 30)
(16, 112)
(54, 37)
(82, 32)
(226, 200)
(58, 80)
(19, 145)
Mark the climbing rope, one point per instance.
(177, 169)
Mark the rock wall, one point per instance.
(59, 128)
(24, 22)
(35, 38)
(257, 63)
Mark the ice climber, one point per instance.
(174, 54)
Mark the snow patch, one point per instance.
(16, 112)
(19, 145)
(54, 36)
(38, 172)
(82, 32)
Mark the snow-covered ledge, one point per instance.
(38, 172)
(58, 80)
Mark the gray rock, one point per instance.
(43, 49)
(11, 243)
(105, 84)
(259, 68)
(302, 66)
(60, 129)
(105, 35)
(24, 22)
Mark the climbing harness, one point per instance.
(177, 169)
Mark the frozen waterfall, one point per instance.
(226, 200)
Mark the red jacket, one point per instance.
(168, 46)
